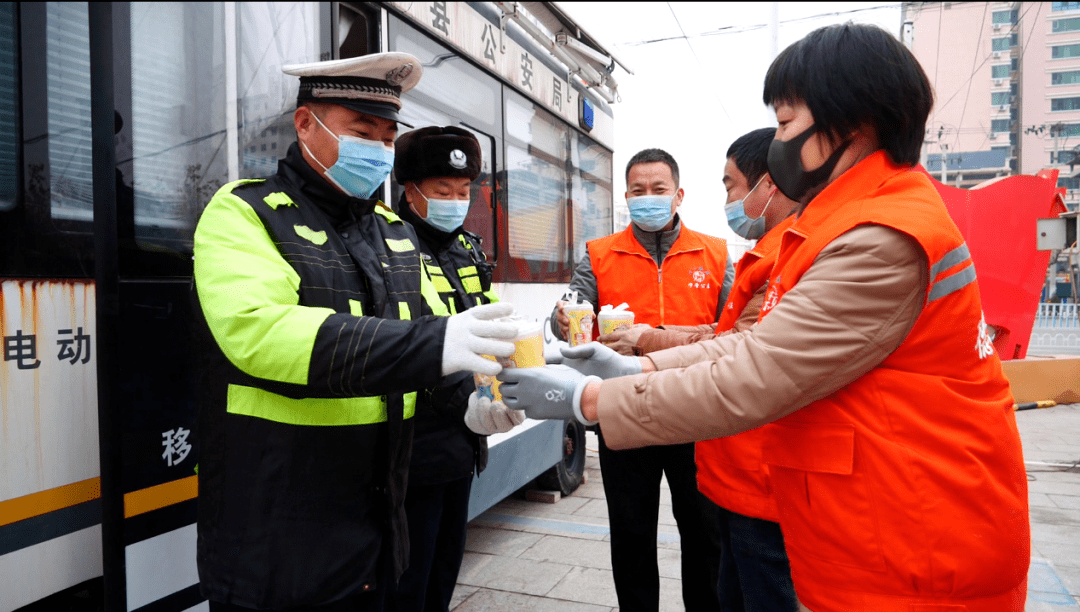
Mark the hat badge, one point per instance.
(398, 75)
(457, 159)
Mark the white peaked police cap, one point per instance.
(370, 84)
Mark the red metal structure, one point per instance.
(997, 219)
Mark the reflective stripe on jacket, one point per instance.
(457, 275)
(905, 490)
(310, 361)
(730, 471)
(687, 284)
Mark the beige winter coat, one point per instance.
(850, 310)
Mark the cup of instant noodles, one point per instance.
(581, 323)
(528, 353)
(614, 319)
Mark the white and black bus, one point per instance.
(118, 122)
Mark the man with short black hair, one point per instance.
(754, 570)
(667, 274)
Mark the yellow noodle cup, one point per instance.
(528, 345)
(528, 353)
(581, 323)
(614, 320)
(487, 386)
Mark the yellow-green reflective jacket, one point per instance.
(316, 319)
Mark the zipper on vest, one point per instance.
(660, 274)
(660, 288)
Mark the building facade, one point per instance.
(1006, 79)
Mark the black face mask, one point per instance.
(787, 172)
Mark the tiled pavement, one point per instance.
(1051, 438)
(540, 557)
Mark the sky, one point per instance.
(698, 86)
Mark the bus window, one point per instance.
(68, 82)
(482, 194)
(591, 192)
(9, 107)
(269, 35)
(449, 80)
(356, 32)
(536, 181)
(178, 131)
(46, 215)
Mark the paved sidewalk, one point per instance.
(540, 557)
(1051, 438)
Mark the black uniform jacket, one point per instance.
(444, 449)
(315, 332)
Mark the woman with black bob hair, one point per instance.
(859, 88)
(925, 500)
(892, 448)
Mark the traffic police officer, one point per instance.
(436, 166)
(315, 311)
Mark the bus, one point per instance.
(118, 122)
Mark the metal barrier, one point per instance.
(1057, 316)
(1056, 330)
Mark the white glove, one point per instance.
(472, 333)
(486, 417)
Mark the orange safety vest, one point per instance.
(905, 490)
(729, 470)
(687, 287)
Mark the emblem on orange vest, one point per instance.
(699, 278)
(771, 298)
(985, 344)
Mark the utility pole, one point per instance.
(925, 149)
(1055, 131)
(907, 27)
(944, 160)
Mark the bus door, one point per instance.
(198, 106)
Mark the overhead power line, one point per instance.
(988, 57)
(698, 60)
(750, 28)
(974, 57)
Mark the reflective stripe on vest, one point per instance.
(953, 281)
(470, 281)
(254, 402)
(442, 285)
(470, 276)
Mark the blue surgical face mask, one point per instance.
(361, 167)
(740, 223)
(447, 215)
(650, 212)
